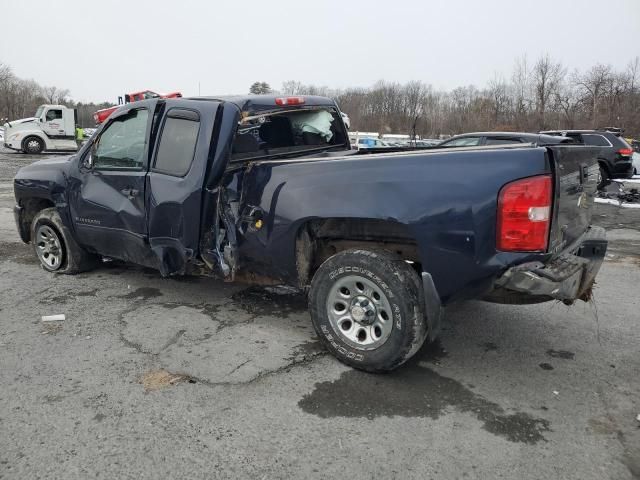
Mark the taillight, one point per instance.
(282, 101)
(625, 152)
(524, 215)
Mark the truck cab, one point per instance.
(51, 128)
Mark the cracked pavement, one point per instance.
(194, 378)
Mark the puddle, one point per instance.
(546, 366)
(417, 391)
(564, 354)
(279, 301)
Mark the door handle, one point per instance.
(130, 192)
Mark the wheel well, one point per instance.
(317, 240)
(30, 208)
(605, 166)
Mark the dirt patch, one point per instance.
(158, 379)
(51, 328)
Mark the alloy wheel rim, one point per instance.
(359, 312)
(48, 247)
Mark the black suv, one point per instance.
(615, 153)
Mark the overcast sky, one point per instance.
(99, 49)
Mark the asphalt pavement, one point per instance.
(193, 378)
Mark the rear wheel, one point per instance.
(603, 177)
(57, 251)
(367, 309)
(32, 145)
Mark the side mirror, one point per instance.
(88, 159)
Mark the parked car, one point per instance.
(614, 156)
(372, 143)
(498, 138)
(381, 242)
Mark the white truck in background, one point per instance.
(52, 128)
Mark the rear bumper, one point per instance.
(567, 277)
(622, 169)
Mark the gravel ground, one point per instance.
(194, 378)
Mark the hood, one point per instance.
(16, 125)
(48, 177)
(21, 120)
(49, 165)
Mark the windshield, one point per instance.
(39, 111)
(287, 133)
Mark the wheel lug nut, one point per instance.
(364, 303)
(369, 313)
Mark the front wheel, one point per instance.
(58, 252)
(32, 145)
(367, 309)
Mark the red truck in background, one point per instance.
(101, 115)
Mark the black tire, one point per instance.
(72, 258)
(32, 145)
(401, 289)
(605, 178)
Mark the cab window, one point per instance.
(294, 132)
(53, 115)
(177, 143)
(121, 145)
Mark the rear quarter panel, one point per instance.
(447, 200)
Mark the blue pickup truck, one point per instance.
(266, 189)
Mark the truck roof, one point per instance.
(253, 103)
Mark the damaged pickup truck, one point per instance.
(267, 189)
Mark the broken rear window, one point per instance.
(288, 133)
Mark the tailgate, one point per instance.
(576, 177)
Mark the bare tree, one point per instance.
(547, 76)
(521, 80)
(498, 92)
(593, 84)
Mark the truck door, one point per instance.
(53, 124)
(107, 195)
(175, 183)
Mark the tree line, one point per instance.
(20, 98)
(536, 96)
